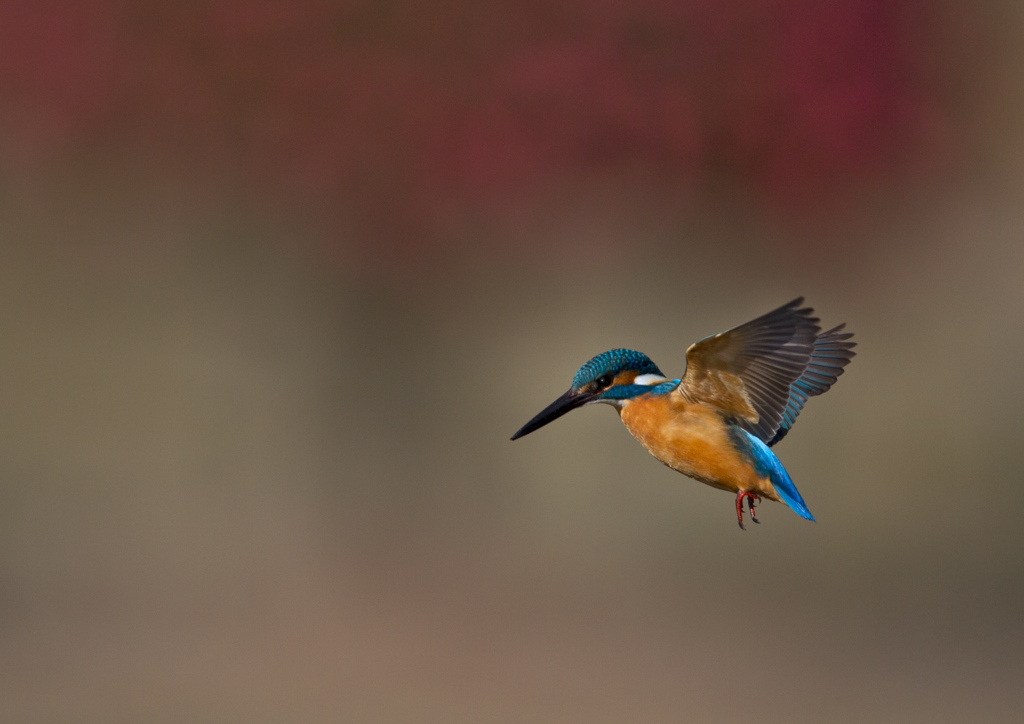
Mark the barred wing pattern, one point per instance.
(831, 353)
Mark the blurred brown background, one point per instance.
(279, 279)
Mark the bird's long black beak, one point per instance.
(566, 403)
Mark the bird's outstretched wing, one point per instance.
(748, 372)
(831, 353)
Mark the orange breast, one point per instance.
(693, 439)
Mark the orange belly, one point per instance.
(693, 439)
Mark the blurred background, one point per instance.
(278, 280)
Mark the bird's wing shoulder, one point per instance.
(746, 372)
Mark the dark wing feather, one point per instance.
(748, 372)
(831, 353)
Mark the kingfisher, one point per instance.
(740, 395)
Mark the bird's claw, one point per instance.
(751, 497)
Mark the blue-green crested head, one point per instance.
(614, 377)
(606, 366)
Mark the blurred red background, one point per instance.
(403, 118)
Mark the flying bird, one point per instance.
(741, 394)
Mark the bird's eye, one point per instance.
(604, 381)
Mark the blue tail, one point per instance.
(768, 464)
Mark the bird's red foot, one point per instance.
(751, 497)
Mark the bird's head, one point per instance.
(613, 377)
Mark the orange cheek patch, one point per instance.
(624, 378)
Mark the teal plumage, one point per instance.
(612, 362)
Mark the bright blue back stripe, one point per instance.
(768, 464)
